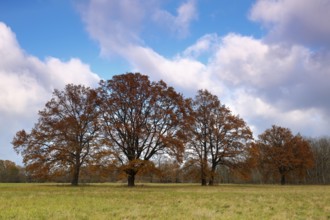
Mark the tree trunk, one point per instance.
(204, 171)
(204, 166)
(131, 178)
(211, 182)
(282, 179)
(75, 176)
(203, 176)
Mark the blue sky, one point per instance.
(267, 60)
(54, 28)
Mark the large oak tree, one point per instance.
(141, 119)
(281, 152)
(217, 137)
(65, 136)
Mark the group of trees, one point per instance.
(130, 125)
(10, 172)
(320, 173)
(123, 123)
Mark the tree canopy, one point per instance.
(279, 151)
(140, 119)
(65, 136)
(217, 137)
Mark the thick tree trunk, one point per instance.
(131, 178)
(75, 176)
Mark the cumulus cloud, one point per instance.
(185, 73)
(293, 76)
(295, 20)
(273, 83)
(261, 114)
(27, 83)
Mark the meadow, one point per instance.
(163, 201)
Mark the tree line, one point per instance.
(131, 127)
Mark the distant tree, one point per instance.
(320, 173)
(217, 137)
(9, 171)
(191, 171)
(170, 172)
(283, 153)
(141, 119)
(65, 136)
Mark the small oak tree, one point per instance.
(281, 152)
(65, 136)
(141, 119)
(217, 137)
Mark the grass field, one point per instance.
(162, 201)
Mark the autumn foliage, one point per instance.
(217, 137)
(278, 152)
(65, 138)
(141, 119)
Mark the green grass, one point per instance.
(162, 201)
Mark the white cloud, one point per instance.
(179, 24)
(205, 45)
(184, 72)
(301, 21)
(242, 60)
(273, 83)
(261, 114)
(27, 83)
(114, 24)
(117, 25)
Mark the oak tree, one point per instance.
(141, 119)
(217, 137)
(65, 136)
(282, 152)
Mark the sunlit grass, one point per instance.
(163, 201)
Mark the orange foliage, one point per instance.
(65, 136)
(217, 137)
(141, 119)
(280, 152)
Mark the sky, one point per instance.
(267, 60)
